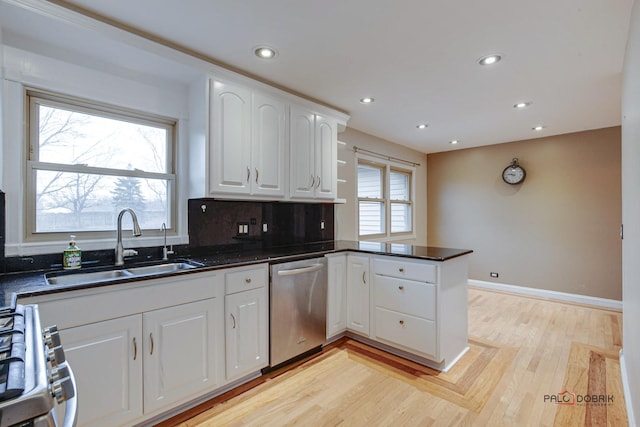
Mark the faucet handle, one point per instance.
(129, 252)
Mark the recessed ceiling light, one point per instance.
(265, 52)
(366, 100)
(490, 59)
(521, 105)
(422, 126)
(454, 142)
(537, 128)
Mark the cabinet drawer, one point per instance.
(405, 269)
(408, 331)
(406, 296)
(245, 279)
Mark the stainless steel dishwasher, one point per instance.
(298, 308)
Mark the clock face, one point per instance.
(513, 175)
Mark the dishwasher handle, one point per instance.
(294, 271)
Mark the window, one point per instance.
(384, 199)
(86, 162)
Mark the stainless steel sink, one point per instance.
(79, 278)
(170, 267)
(83, 278)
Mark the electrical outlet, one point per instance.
(322, 225)
(265, 227)
(243, 228)
(493, 274)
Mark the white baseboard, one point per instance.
(627, 390)
(553, 295)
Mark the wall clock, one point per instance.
(514, 173)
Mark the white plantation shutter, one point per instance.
(370, 196)
(384, 199)
(400, 191)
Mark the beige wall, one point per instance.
(559, 230)
(346, 214)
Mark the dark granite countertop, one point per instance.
(31, 283)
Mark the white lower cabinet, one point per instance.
(246, 320)
(417, 308)
(180, 351)
(139, 364)
(139, 349)
(358, 294)
(336, 295)
(106, 358)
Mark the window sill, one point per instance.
(40, 248)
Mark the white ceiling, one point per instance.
(417, 58)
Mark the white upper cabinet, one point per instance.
(313, 148)
(248, 139)
(265, 146)
(230, 150)
(269, 145)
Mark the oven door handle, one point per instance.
(294, 271)
(71, 405)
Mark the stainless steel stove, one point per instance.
(34, 376)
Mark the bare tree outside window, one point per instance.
(88, 164)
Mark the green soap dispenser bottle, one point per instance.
(72, 256)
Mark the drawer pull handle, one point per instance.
(248, 173)
(234, 321)
(247, 280)
(364, 278)
(257, 175)
(135, 349)
(402, 322)
(401, 288)
(152, 344)
(401, 270)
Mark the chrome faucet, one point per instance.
(120, 251)
(166, 251)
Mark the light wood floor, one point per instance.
(521, 350)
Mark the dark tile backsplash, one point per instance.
(214, 226)
(217, 223)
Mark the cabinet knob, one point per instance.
(401, 270)
(247, 280)
(402, 322)
(401, 287)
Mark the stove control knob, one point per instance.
(51, 336)
(56, 356)
(58, 373)
(62, 390)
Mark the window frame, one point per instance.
(36, 97)
(387, 166)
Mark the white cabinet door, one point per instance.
(247, 333)
(326, 163)
(303, 155)
(230, 128)
(358, 294)
(336, 295)
(106, 358)
(269, 146)
(181, 350)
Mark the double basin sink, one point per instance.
(85, 278)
